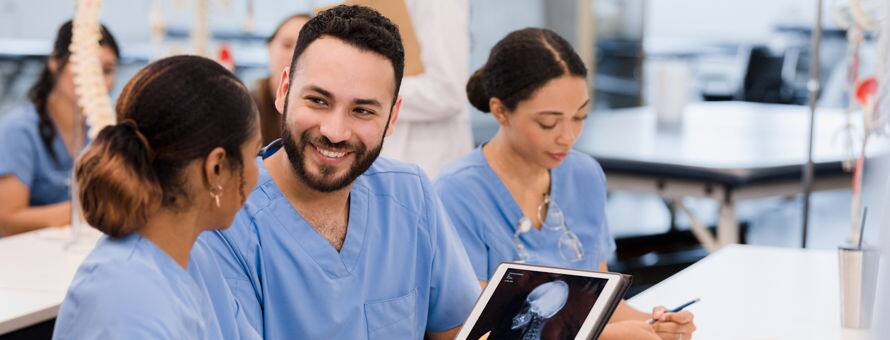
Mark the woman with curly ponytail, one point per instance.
(179, 161)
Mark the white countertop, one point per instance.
(753, 292)
(35, 271)
(747, 292)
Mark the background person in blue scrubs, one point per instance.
(334, 242)
(37, 141)
(179, 162)
(526, 195)
(280, 46)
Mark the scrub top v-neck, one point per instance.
(401, 271)
(486, 215)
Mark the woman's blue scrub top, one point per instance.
(128, 288)
(23, 155)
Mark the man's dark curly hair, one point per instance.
(358, 26)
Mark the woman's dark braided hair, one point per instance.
(39, 92)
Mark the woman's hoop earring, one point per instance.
(216, 192)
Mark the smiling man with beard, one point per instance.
(334, 242)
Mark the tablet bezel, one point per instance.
(599, 307)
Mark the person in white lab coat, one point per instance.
(434, 123)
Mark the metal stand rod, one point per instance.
(813, 88)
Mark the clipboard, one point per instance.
(397, 12)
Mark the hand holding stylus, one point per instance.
(675, 323)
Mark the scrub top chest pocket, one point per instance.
(392, 318)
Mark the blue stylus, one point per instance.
(675, 310)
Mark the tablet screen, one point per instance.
(537, 305)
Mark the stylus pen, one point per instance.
(679, 308)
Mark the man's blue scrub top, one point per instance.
(401, 271)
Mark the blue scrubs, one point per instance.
(128, 288)
(23, 155)
(485, 214)
(401, 271)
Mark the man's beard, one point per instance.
(325, 182)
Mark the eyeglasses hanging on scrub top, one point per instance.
(570, 247)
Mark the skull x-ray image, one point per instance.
(540, 305)
(532, 305)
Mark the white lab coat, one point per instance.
(433, 127)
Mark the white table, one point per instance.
(35, 271)
(724, 151)
(753, 292)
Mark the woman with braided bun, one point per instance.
(179, 162)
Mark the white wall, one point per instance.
(491, 20)
(883, 214)
(724, 20)
(128, 19)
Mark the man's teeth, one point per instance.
(330, 154)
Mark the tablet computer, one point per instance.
(525, 301)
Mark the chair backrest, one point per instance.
(763, 82)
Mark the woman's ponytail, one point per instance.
(118, 184)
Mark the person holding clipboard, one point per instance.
(434, 121)
(525, 195)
